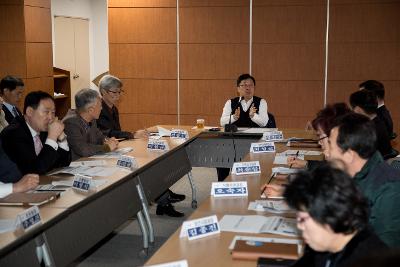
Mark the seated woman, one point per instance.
(333, 217)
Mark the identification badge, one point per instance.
(229, 189)
(159, 145)
(264, 147)
(199, 228)
(28, 218)
(273, 136)
(250, 167)
(179, 134)
(127, 162)
(82, 182)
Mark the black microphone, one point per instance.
(232, 127)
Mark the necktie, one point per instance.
(38, 144)
(15, 112)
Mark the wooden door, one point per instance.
(72, 51)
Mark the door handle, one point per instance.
(75, 76)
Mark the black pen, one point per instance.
(295, 157)
(270, 179)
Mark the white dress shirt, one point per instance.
(5, 189)
(260, 118)
(50, 142)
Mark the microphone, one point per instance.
(232, 127)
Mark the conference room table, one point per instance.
(76, 221)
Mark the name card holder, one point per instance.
(179, 134)
(157, 145)
(200, 228)
(127, 162)
(273, 136)
(229, 189)
(250, 167)
(28, 219)
(264, 147)
(82, 183)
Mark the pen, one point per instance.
(270, 179)
(297, 153)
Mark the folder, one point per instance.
(28, 199)
(252, 250)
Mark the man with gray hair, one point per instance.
(84, 138)
(111, 90)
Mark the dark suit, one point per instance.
(9, 172)
(9, 116)
(108, 123)
(382, 138)
(19, 146)
(84, 139)
(384, 114)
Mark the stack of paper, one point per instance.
(273, 206)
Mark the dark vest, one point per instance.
(244, 119)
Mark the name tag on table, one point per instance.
(179, 134)
(231, 189)
(264, 147)
(127, 162)
(159, 145)
(182, 263)
(273, 136)
(250, 167)
(28, 218)
(199, 228)
(82, 182)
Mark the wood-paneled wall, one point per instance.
(288, 55)
(25, 43)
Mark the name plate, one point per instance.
(28, 218)
(273, 136)
(264, 147)
(250, 167)
(182, 263)
(82, 182)
(179, 134)
(231, 189)
(127, 162)
(159, 145)
(199, 228)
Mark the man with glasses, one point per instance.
(36, 142)
(11, 89)
(111, 90)
(246, 110)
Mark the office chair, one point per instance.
(271, 121)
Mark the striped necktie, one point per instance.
(38, 144)
(15, 112)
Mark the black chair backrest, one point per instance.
(271, 121)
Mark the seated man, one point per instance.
(3, 121)
(382, 111)
(333, 217)
(246, 110)
(36, 142)
(84, 138)
(11, 179)
(353, 141)
(11, 89)
(364, 102)
(111, 89)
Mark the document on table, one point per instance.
(88, 163)
(266, 240)
(284, 170)
(256, 130)
(7, 225)
(163, 132)
(273, 206)
(89, 171)
(95, 182)
(259, 224)
(281, 158)
(293, 152)
(113, 154)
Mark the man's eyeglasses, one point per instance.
(120, 92)
(246, 85)
(322, 138)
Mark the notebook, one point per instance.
(29, 199)
(252, 250)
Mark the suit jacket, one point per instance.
(9, 116)
(84, 139)
(385, 116)
(19, 146)
(382, 137)
(9, 172)
(108, 123)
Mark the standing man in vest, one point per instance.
(246, 110)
